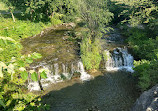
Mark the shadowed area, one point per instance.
(115, 91)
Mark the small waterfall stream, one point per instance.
(116, 52)
(84, 76)
(53, 76)
(119, 59)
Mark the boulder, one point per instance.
(148, 101)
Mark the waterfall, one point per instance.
(51, 78)
(119, 59)
(84, 76)
(56, 68)
(65, 71)
(54, 73)
(72, 68)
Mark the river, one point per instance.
(113, 89)
(109, 92)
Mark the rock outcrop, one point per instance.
(148, 101)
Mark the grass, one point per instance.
(17, 31)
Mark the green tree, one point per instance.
(43, 10)
(138, 11)
(96, 16)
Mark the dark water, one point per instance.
(110, 92)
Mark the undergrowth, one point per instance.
(13, 93)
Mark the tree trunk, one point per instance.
(39, 82)
(12, 16)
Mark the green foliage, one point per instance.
(105, 56)
(146, 72)
(96, 16)
(19, 29)
(24, 75)
(2, 103)
(143, 47)
(15, 31)
(12, 77)
(43, 75)
(56, 19)
(95, 13)
(3, 6)
(44, 10)
(90, 52)
(13, 93)
(138, 11)
(34, 76)
(36, 55)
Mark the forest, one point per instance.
(137, 21)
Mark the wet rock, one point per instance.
(76, 75)
(148, 101)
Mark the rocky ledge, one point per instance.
(148, 101)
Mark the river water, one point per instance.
(110, 92)
(114, 89)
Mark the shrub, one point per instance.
(143, 46)
(146, 72)
(90, 52)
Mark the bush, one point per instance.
(13, 91)
(142, 46)
(56, 19)
(90, 52)
(146, 49)
(17, 31)
(146, 72)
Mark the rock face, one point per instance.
(148, 101)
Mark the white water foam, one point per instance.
(119, 59)
(53, 78)
(84, 75)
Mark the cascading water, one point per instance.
(65, 71)
(84, 76)
(51, 78)
(54, 75)
(119, 59)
